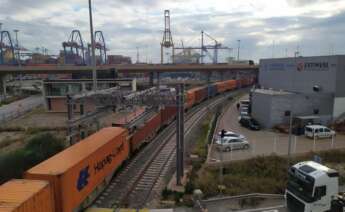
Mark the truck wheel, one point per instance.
(246, 146)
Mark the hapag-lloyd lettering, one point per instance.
(108, 159)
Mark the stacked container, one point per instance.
(189, 99)
(26, 196)
(212, 90)
(168, 114)
(146, 132)
(81, 171)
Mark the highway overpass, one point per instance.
(128, 68)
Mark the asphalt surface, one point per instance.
(266, 142)
(19, 107)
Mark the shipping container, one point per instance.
(26, 196)
(200, 94)
(168, 114)
(79, 173)
(230, 84)
(212, 90)
(189, 99)
(145, 132)
(221, 87)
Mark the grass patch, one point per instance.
(38, 148)
(260, 175)
(200, 148)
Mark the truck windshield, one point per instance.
(302, 188)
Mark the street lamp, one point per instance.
(93, 59)
(289, 114)
(17, 47)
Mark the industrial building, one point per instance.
(55, 91)
(306, 86)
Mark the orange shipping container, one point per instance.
(231, 84)
(146, 132)
(26, 196)
(190, 98)
(221, 87)
(75, 172)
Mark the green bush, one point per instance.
(38, 149)
(166, 193)
(189, 188)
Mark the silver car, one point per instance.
(230, 134)
(231, 143)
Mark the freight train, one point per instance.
(72, 179)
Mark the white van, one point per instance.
(318, 131)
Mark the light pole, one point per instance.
(238, 50)
(18, 60)
(289, 113)
(93, 60)
(17, 46)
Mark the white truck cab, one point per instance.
(311, 187)
(318, 131)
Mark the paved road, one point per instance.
(20, 107)
(266, 142)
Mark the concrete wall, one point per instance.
(261, 108)
(301, 74)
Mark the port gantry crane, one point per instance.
(100, 46)
(205, 48)
(6, 47)
(74, 49)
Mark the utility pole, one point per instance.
(202, 47)
(238, 50)
(18, 60)
(17, 46)
(93, 59)
(289, 113)
(180, 134)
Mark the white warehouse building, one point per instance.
(305, 86)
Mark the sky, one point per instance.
(265, 28)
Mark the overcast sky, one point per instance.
(266, 28)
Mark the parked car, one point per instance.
(249, 122)
(244, 112)
(230, 134)
(318, 131)
(245, 103)
(231, 143)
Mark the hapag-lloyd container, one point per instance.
(76, 172)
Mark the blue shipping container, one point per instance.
(212, 90)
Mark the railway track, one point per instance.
(139, 181)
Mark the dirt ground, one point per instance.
(40, 118)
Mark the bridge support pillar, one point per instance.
(208, 77)
(221, 75)
(3, 85)
(151, 78)
(158, 80)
